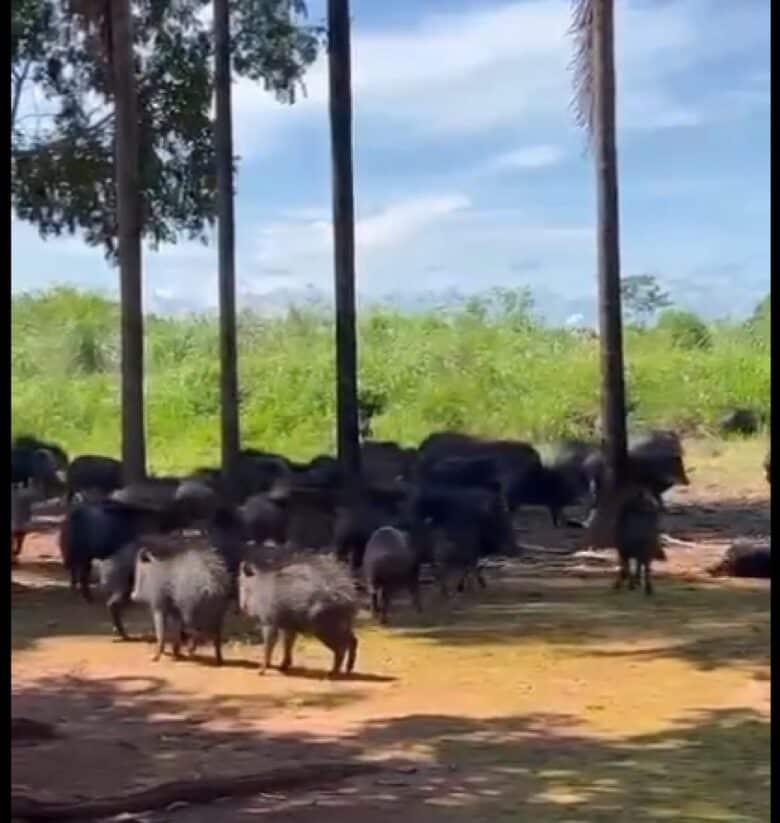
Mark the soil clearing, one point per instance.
(547, 697)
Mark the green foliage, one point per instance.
(760, 323)
(686, 330)
(642, 297)
(488, 375)
(62, 161)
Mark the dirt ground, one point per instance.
(547, 697)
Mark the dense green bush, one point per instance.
(489, 368)
(686, 330)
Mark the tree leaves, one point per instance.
(62, 160)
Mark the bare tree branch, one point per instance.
(16, 94)
(64, 141)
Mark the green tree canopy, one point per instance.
(62, 155)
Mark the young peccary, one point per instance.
(313, 596)
(637, 537)
(392, 561)
(187, 590)
(744, 560)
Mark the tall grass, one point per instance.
(486, 368)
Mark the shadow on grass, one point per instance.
(122, 733)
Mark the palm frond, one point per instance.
(581, 66)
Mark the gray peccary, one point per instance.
(117, 574)
(187, 590)
(313, 595)
(391, 562)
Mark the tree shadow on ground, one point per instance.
(125, 733)
(707, 624)
(719, 520)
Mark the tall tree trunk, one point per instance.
(343, 234)
(223, 138)
(128, 195)
(610, 324)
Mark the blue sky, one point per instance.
(470, 173)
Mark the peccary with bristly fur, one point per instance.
(313, 595)
(187, 590)
(117, 574)
(391, 562)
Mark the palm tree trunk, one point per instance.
(610, 322)
(223, 139)
(343, 235)
(128, 194)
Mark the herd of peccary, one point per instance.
(293, 543)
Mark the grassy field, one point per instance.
(487, 368)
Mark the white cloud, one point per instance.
(527, 157)
(286, 241)
(502, 66)
(402, 220)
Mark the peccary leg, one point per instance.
(334, 640)
(623, 573)
(352, 645)
(385, 605)
(633, 578)
(375, 597)
(218, 645)
(480, 578)
(648, 583)
(271, 636)
(158, 618)
(84, 575)
(16, 545)
(176, 641)
(288, 638)
(555, 514)
(115, 610)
